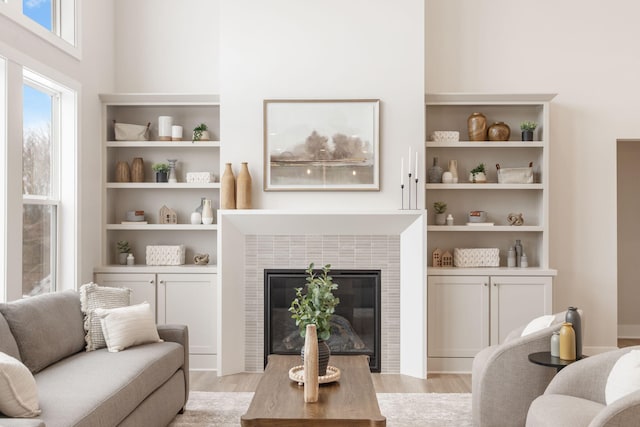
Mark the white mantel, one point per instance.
(410, 225)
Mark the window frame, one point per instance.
(53, 199)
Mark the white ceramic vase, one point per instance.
(207, 212)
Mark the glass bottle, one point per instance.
(511, 257)
(518, 252)
(172, 170)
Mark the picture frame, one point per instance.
(321, 145)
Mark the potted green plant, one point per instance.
(478, 174)
(200, 133)
(316, 306)
(162, 171)
(527, 129)
(440, 208)
(123, 250)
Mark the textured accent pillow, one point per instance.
(92, 297)
(624, 377)
(538, 324)
(128, 326)
(18, 391)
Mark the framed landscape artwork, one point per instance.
(321, 145)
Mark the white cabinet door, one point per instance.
(142, 285)
(190, 299)
(517, 300)
(458, 315)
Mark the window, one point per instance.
(40, 187)
(41, 11)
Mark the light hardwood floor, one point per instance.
(383, 383)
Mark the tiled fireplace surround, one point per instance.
(254, 239)
(379, 252)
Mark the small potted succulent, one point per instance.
(440, 217)
(123, 250)
(527, 129)
(200, 133)
(316, 306)
(162, 171)
(478, 174)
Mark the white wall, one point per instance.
(587, 53)
(322, 49)
(167, 46)
(90, 75)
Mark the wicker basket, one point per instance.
(476, 257)
(165, 255)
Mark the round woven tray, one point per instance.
(297, 374)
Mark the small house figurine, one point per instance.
(447, 259)
(436, 258)
(168, 216)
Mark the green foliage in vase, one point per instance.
(478, 169)
(197, 131)
(528, 126)
(160, 167)
(440, 207)
(123, 246)
(317, 305)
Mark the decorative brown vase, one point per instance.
(499, 131)
(323, 355)
(123, 173)
(311, 382)
(228, 188)
(477, 125)
(137, 170)
(243, 188)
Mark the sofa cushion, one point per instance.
(18, 392)
(8, 343)
(562, 410)
(538, 324)
(99, 388)
(92, 297)
(46, 327)
(127, 326)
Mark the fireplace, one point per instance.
(355, 326)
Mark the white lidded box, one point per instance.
(200, 177)
(165, 254)
(445, 136)
(476, 257)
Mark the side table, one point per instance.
(545, 358)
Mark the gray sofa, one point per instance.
(145, 385)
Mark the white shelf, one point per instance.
(488, 186)
(464, 99)
(154, 99)
(162, 144)
(163, 227)
(160, 185)
(487, 228)
(490, 271)
(143, 268)
(485, 144)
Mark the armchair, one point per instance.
(576, 397)
(504, 382)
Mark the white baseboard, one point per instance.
(593, 350)
(629, 331)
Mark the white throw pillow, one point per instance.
(624, 377)
(128, 326)
(92, 297)
(538, 324)
(18, 391)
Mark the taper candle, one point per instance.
(402, 171)
(416, 175)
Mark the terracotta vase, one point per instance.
(228, 188)
(477, 125)
(499, 131)
(123, 173)
(243, 188)
(137, 170)
(567, 342)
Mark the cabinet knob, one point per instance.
(162, 282)
(495, 284)
(151, 282)
(486, 284)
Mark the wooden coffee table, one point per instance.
(351, 401)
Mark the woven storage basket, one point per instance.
(165, 255)
(476, 257)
